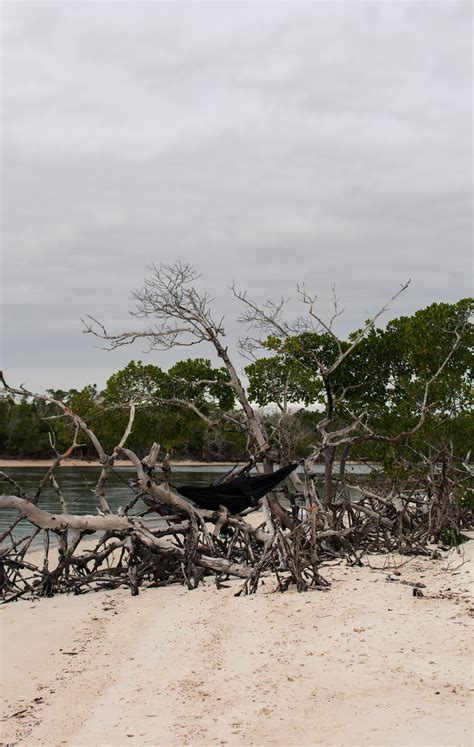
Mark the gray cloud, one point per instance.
(270, 143)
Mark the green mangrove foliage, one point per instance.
(311, 385)
(414, 374)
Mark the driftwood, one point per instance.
(128, 552)
(194, 543)
(291, 543)
(191, 544)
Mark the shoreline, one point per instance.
(363, 663)
(6, 463)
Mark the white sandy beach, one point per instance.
(365, 663)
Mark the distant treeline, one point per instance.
(191, 409)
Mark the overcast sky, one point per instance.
(270, 143)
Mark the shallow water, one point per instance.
(77, 483)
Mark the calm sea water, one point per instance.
(77, 483)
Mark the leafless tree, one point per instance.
(181, 314)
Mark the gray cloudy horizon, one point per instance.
(270, 143)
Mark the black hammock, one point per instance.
(237, 495)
